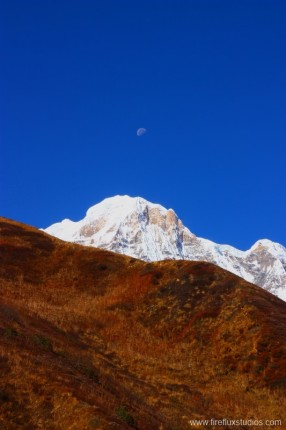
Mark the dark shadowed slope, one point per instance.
(96, 340)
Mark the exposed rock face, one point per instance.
(138, 228)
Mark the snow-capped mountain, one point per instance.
(136, 227)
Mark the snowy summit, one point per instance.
(148, 231)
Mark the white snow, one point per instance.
(115, 208)
(121, 224)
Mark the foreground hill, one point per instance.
(91, 339)
(135, 227)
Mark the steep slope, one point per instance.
(138, 228)
(96, 340)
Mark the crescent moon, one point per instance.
(141, 131)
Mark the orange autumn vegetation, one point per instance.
(95, 340)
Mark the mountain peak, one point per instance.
(120, 206)
(136, 227)
(272, 247)
(127, 225)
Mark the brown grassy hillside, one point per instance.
(95, 340)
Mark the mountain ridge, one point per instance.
(136, 227)
(91, 339)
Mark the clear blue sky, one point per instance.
(206, 78)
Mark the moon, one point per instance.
(141, 131)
